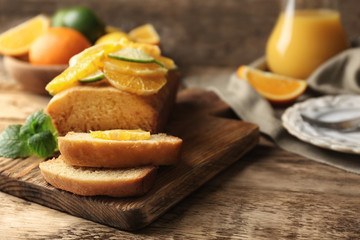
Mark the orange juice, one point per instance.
(304, 39)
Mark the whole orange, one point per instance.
(57, 46)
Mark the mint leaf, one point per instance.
(12, 145)
(25, 132)
(48, 125)
(38, 136)
(36, 123)
(42, 144)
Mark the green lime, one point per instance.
(134, 55)
(57, 18)
(96, 76)
(82, 19)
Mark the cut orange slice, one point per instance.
(109, 47)
(145, 34)
(141, 84)
(82, 69)
(95, 49)
(276, 88)
(112, 37)
(17, 41)
(168, 62)
(81, 66)
(152, 50)
(123, 135)
(139, 69)
(139, 78)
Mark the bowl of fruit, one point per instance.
(39, 49)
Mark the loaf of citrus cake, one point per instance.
(105, 106)
(139, 91)
(85, 108)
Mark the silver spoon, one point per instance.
(346, 125)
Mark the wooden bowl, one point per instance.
(32, 77)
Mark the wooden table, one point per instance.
(268, 194)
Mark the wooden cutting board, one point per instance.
(212, 142)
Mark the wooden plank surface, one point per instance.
(268, 194)
(211, 143)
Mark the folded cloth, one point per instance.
(342, 73)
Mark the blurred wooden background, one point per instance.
(193, 32)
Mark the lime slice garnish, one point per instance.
(94, 77)
(134, 55)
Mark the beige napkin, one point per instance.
(338, 75)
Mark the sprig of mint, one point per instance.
(37, 136)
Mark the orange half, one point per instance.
(278, 89)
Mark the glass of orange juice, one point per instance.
(307, 33)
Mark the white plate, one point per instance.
(328, 108)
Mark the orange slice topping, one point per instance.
(145, 34)
(121, 135)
